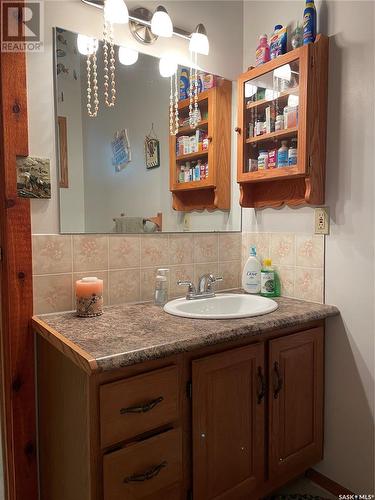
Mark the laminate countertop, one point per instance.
(132, 333)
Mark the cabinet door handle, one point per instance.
(147, 475)
(278, 381)
(143, 408)
(238, 130)
(261, 385)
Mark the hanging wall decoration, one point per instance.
(152, 149)
(33, 177)
(121, 152)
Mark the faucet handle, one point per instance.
(187, 283)
(212, 280)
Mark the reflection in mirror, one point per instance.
(114, 169)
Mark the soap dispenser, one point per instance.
(251, 273)
(161, 287)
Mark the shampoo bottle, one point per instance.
(251, 273)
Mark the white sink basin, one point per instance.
(223, 306)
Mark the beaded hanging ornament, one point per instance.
(109, 66)
(193, 93)
(173, 106)
(92, 112)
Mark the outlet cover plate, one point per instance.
(322, 220)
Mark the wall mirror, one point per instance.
(115, 168)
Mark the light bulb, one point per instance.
(86, 45)
(127, 56)
(116, 12)
(167, 66)
(199, 41)
(161, 24)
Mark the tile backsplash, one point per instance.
(128, 263)
(299, 259)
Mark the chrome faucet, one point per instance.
(206, 287)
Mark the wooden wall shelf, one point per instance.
(304, 182)
(213, 192)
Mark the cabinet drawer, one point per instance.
(135, 405)
(145, 469)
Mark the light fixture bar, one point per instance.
(99, 4)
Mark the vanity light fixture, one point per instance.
(127, 56)
(161, 24)
(146, 28)
(199, 41)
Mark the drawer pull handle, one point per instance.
(262, 385)
(146, 476)
(278, 381)
(143, 408)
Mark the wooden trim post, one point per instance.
(18, 414)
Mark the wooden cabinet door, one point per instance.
(228, 423)
(296, 374)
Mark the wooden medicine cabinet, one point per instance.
(284, 99)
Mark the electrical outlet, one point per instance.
(322, 220)
(186, 222)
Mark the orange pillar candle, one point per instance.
(89, 297)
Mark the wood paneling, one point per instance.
(228, 423)
(144, 470)
(296, 364)
(17, 342)
(138, 404)
(64, 445)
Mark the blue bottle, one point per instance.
(309, 22)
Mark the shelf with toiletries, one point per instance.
(200, 152)
(282, 106)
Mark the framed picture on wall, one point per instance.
(152, 149)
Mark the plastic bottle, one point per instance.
(251, 273)
(282, 155)
(309, 22)
(269, 280)
(262, 53)
(278, 41)
(293, 153)
(184, 84)
(161, 287)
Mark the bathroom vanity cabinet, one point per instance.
(227, 421)
(284, 101)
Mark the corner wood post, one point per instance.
(17, 401)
